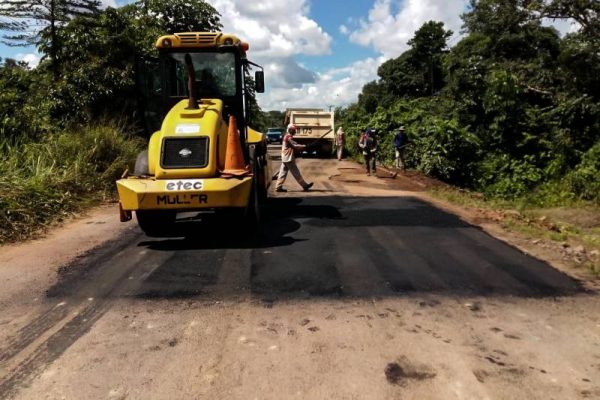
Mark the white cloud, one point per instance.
(274, 28)
(388, 31)
(335, 87)
(286, 73)
(30, 58)
(563, 26)
(108, 3)
(277, 31)
(344, 30)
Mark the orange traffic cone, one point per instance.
(234, 157)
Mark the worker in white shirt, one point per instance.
(288, 162)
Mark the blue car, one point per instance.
(274, 135)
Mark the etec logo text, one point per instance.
(185, 184)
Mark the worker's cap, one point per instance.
(291, 127)
(402, 128)
(370, 131)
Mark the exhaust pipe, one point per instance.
(192, 101)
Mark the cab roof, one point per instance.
(199, 40)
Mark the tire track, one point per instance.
(32, 331)
(96, 299)
(51, 349)
(69, 275)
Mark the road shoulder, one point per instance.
(29, 268)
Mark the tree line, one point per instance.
(512, 109)
(87, 72)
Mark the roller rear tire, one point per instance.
(258, 193)
(156, 223)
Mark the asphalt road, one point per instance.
(350, 291)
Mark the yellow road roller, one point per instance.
(204, 158)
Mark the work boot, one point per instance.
(280, 190)
(308, 186)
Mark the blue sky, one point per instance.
(318, 53)
(331, 14)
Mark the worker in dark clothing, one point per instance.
(400, 142)
(368, 144)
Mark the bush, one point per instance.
(21, 111)
(444, 150)
(44, 181)
(508, 178)
(584, 180)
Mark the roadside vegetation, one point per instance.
(512, 110)
(49, 179)
(509, 114)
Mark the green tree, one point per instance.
(15, 81)
(151, 19)
(466, 68)
(373, 95)
(36, 22)
(585, 12)
(418, 71)
(502, 71)
(98, 70)
(495, 18)
(100, 55)
(274, 118)
(580, 61)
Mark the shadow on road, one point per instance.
(279, 219)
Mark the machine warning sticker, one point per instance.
(187, 128)
(183, 185)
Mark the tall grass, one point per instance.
(44, 181)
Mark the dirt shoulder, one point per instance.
(30, 267)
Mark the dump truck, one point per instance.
(204, 157)
(315, 127)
